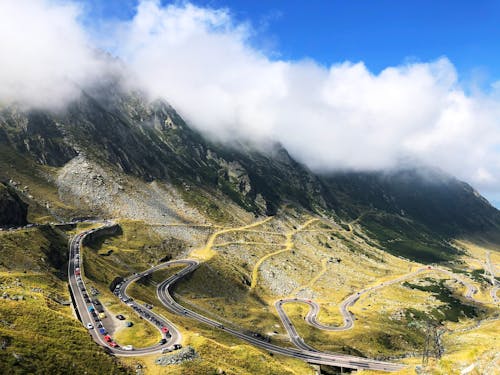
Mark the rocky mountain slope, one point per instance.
(13, 210)
(176, 194)
(114, 140)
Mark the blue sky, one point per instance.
(352, 85)
(379, 33)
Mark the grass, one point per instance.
(37, 178)
(326, 263)
(206, 252)
(39, 334)
(140, 335)
(216, 358)
(216, 349)
(34, 249)
(135, 249)
(408, 239)
(452, 308)
(130, 247)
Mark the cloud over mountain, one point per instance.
(202, 61)
(45, 53)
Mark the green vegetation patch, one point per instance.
(34, 249)
(409, 239)
(135, 248)
(38, 332)
(38, 340)
(452, 309)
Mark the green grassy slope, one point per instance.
(38, 331)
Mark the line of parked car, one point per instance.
(143, 313)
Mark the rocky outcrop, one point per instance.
(175, 358)
(13, 211)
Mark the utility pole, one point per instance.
(427, 343)
(432, 344)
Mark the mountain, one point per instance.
(263, 226)
(13, 211)
(124, 132)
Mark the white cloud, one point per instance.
(200, 59)
(44, 53)
(341, 117)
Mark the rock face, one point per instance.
(183, 355)
(111, 135)
(13, 210)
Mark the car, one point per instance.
(91, 308)
(164, 329)
(96, 319)
(128, 347)
(102, 331)
(148, 306)
(129, 324)
(113, 344)
(120, 317)
(96, 302)
(163, 341)
(107, 338)
(168, 349)
(177, 346)
(89, 326)
(77, 272)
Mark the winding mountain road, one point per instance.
(312, 316)
(79, 289)
(303, 351)
(495, 285)
(79, 292)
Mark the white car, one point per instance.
(128, 347)
(89, 326)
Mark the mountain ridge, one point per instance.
(150, 141)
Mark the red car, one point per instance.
(107, 338)
(164, 329)
(77, 272)
(113, 344)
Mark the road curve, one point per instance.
(78, 288)
(495, 285)
(79, 291)
(312, 316)
(304, 352)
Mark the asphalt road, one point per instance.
(79, 290)
(495, 285)
(304, 352)
(312, 316)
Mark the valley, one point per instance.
(254, 264)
